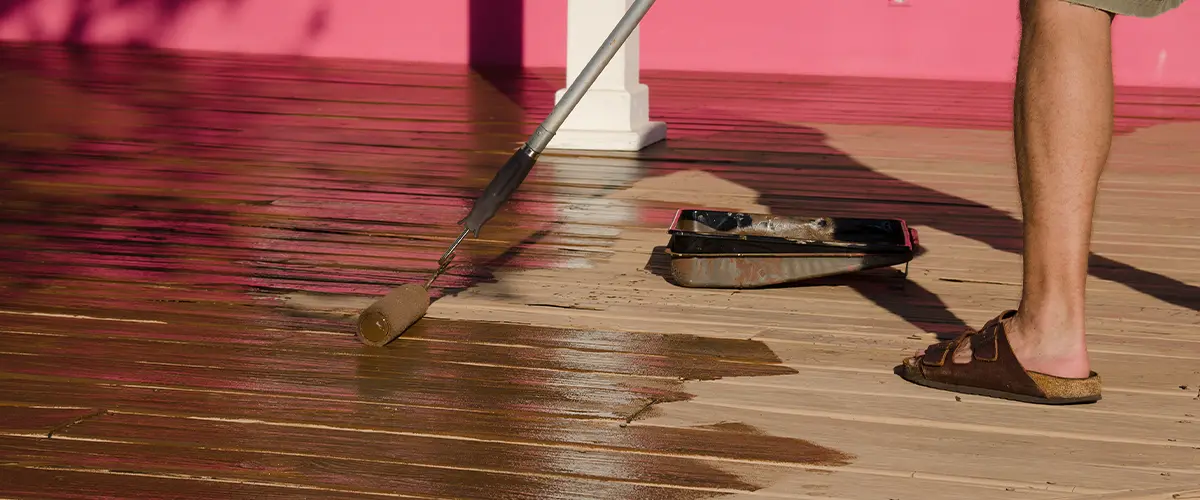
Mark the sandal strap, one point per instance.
(986, 345)
(993, 364)
(937, 354)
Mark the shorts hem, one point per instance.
(1135, 8)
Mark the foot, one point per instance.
(1037, 349)
(1045, 368)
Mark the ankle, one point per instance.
(1049, 344)
(1051, 320)
(1049, 339)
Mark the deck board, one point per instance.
(188, 237)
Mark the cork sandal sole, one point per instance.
(914, 376)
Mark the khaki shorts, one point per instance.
(1136, 8)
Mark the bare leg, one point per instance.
(1062, 132)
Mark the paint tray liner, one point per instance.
(719, 249)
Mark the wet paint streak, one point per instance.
(419, 389)
(384, 418)
(432, 451)
(599, 341)
(376, 476)
(495, 423)
(735, 427)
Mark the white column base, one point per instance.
(609, 140)
(614, 114)
(609, 120)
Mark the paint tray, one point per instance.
(718, 249)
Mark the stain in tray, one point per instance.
(818, 229)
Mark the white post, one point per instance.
(614, 114)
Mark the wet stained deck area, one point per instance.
(188, 237)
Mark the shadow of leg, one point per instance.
(909, 300)
(1006, 237)
(1161, 287)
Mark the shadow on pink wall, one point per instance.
(402, 30)
(496, 34)
(494, 30)
(136, 23)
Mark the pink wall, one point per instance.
(942, 39)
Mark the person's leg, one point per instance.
(1062, 124)
(1062, 131)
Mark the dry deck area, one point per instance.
(186, 240)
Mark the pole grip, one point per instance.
(510, 176)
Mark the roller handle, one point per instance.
(510, 176)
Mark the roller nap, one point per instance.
(392, 314)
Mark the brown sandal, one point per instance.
(994, 371)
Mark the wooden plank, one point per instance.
(410, 449)
(1141, 408)
(415, 389)
(24, 482)
(843, 402)
(40, 421)
(1168, 493)
(315, 471)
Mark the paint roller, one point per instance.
(389, 316)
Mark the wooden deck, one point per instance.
(187, 238)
